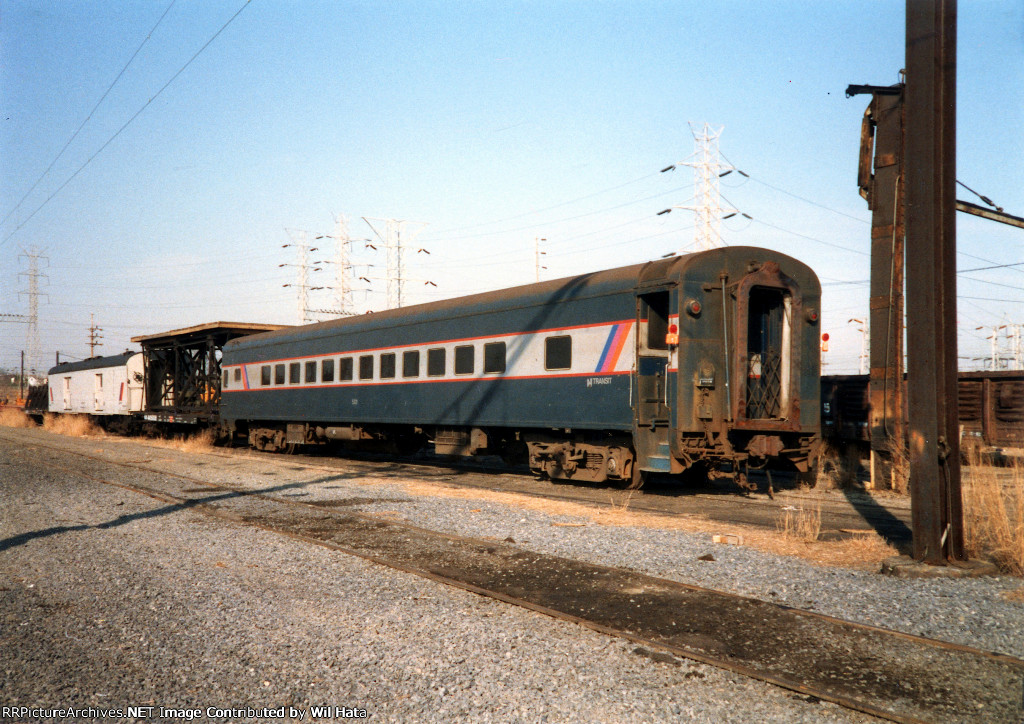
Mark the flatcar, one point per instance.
(702, 360)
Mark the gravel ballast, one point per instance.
(107, 604)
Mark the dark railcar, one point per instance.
(710, 357)
(991, 408)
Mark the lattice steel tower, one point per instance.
(394, 236)
(300, 240)
(33, 275)
(707, 169)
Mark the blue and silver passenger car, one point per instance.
(698, 359)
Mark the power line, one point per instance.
(569, 218)
(88, 117)
(795, 196)
(997, 266)
(546, 208)
(127, 123)
(811, 238)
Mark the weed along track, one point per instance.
(892, 675)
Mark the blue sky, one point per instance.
(491, 123)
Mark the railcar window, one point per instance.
(494, 358)
(345, 369)
(294, 373)
(411, 364)
(265, 375)
(366, 367)
(464, 359)
(238, 374)
(558, 353)
(311, 372)
(387, 366)
(327, 370)
(278, 374)
(225, 385)
(656, 314)
(435, 362)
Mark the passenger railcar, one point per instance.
(706, 358)
(108, 388)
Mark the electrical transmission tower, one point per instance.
(1013, 334)
(343, 266)
(537, 254)
(393, 234)
(34, 256)
(707, 169)
(300, 240)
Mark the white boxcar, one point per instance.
(98, 386)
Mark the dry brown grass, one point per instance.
(837, 468)
(865, 551)
(15, 418)
(993, 502)
(200, 442)
(829, 469)
(71, 425)
(800, 523)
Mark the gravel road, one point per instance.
(110, 599)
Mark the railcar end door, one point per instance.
(651, 404)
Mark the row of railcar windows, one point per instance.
(557, 356)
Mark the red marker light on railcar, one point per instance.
(693, 307)
(824, 342)
(673, 335)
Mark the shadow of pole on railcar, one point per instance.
(493, 384)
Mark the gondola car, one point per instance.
(704, 359)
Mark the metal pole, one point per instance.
(936, 508)
(21, 378)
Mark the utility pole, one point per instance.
(863, 329)
(934, 451)
(910, 134)
(880, 178)
(394, 235)
(34, 256)
(94, 336)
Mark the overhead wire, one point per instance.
(89, 116)
(542, 210)
(127, 123)
(568, 218)
(790, 193)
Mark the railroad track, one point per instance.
(839, 519)
(896, 676)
